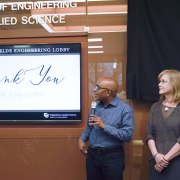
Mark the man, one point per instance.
(107, 131)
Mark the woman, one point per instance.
(163, 129)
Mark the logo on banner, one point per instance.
(46, 115)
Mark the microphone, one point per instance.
(93, 106)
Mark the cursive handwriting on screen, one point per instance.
(43, 74)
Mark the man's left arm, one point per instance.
(125, 132)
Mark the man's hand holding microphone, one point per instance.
(95, 120)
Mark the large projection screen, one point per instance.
(40, 83)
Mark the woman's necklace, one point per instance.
(167, 108)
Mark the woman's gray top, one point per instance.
(163, 127)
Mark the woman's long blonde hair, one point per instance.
(174, 77)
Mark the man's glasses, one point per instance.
(163, 82)
(99, 87)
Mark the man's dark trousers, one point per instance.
(105, 166)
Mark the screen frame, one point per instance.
(49, 121)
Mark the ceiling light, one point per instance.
(95, 46)
(94, 39)
(91, 52)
